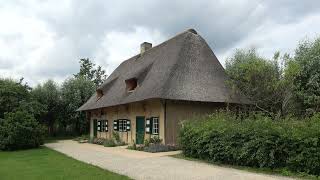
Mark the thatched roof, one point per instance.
(181, 68)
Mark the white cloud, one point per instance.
(116, 46)
(271, 37)
(45, 39)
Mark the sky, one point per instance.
(44, 39)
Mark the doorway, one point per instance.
(139, 129)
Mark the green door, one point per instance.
(94, 128)
(139, 129)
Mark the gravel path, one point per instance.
(151, 166)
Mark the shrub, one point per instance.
(255, 141)
(155, 140)
(153, 148)
(135, 147)
(109, 143)
(20, 130)
(116, 136)
(82, 138)
(99, 141)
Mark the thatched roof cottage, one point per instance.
(150, 93)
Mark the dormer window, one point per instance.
(131, 84)
(99, 93)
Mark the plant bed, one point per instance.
(153, 145)
(113, 142)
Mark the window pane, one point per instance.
(155, 126)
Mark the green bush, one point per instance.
(116, 136)
(109, 143)
(20, 130)
(146, 142)
(255, 141)
(135, 147)
(99, 141)
(155, 140)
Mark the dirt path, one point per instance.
(151, 166)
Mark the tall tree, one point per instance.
(48, 94)
(12, 93)
(258, 78)
(75, 92)
(306, 64)
(90, 72)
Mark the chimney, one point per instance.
(144, 47)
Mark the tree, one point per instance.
(258, 78)
(75, 92)
(48, 94)
(306, 66)
(12, 94)
(88, 70)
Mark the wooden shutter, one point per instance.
(116, 125)
(128, 125)
(148, 127)
(99, 126)
(106, 125)
(151, 125)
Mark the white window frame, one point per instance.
(122, 125)
(155, 125)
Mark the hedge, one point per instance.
(255, 141)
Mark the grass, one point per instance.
(278, 172)
(44, 163)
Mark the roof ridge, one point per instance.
(163, 43)
(137, 56)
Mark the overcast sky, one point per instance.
(45, 39)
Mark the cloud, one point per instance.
(284, 38)
(116, 46)
(45, 39)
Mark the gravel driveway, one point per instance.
(143, 165)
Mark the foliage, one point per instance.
(20, 130)
(135, 147)
(307, 81)
(152, 140)
(109, 143)
(82, 138)
(256, 141)
(88, 71)
(106, 142)
(48, 95)
(258, 78)
(44, 163)
(74, 93)
(155, 140)
(158, 147)
(116, 136)
(146, 142)
(99, 141)
(11, 94)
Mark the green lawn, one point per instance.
(44, 163)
